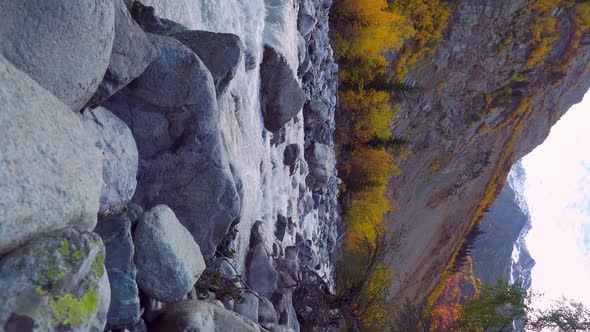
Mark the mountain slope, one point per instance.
(502, 75)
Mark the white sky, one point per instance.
(558, 197)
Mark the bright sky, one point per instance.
(558, 197)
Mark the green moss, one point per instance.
(41, 291)
(68, 310)
(64, 248)
(98, 264)
(78, 254)
(49, 271)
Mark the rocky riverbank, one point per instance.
(166, 165)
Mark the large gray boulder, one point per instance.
(261, 275)
(320, 159)
(119, 158)
(220, 52)
(124, 306)
(50, 176)
(132, 52)
(55, 283)
(64, 46)
(282, 96)
(201, 316)
(172, 111)
(168, 260)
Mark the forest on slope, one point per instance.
(389, 65)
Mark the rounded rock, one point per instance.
(63, 45)
(167, 258)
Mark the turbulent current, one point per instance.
(268, 188)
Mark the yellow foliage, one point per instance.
(428, 19)
(370, 113)
(371, 29)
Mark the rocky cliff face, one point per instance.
(156, 165)
(486, 97)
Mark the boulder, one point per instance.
(64, 47)
(201, 316)
(281, 95)
(168, 260)
(320, 159)
(306, 23)
(220, 52)
(306, 255)
(248, 308)
(55, 283)
(150, 22)
(51, 173)
(283, 302)
(280, 227)
(266, 312)
(316, 113)
(119, 158)
(171, 79)
(261, 275)
(124, 307)
(172, 111)
(132, 52)
(291, 154)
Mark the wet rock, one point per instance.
(172, 111)
(220, 52)
(261, 276)
(146, 17)
(306, 23)
(57, 282)
(51, 173)
(66, 50)
(168, 260)
(307, 256)
(124, 306)
(119, 158)
(279, 137)
(320, 158)
(291, 252)
(132, 52)
(282, 96)
(200, 316)
(280, 227)
(316, 113)
(291, 154)
(248, 308)
(283, 302)
(266, 312)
